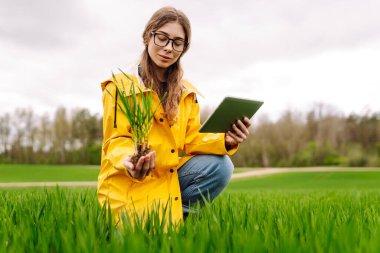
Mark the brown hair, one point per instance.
(174, 72)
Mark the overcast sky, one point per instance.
(290, 54)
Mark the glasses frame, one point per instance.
(169, 39)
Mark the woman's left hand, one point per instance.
(238, 133)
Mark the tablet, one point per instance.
(228, 111)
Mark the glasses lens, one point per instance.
(162, 40)
(178, 45)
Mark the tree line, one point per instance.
(67, 138)
(318, 137)
(321, 137)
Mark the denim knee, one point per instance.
(204, 176)
(224, 170)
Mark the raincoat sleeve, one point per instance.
(203, 143)
(117, 143)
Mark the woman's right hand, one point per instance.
(144, 166)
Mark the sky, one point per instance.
(291, 54)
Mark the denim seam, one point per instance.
(192, 189)
(191, 172)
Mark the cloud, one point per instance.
(57, 52)
(43, 24)
(264, 30)
(345, 79)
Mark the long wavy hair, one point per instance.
(174, 73)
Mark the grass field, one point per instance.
(310, 181)
(68, 173)
(47, 173)
(54, 173)
(293, 212)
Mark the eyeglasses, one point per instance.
(163, 40)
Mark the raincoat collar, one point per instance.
(133, 72)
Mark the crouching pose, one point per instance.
(183, 166)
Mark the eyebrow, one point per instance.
(169, 35)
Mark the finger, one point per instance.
(247, 122)
(133, 173)
(127, 162)
(145, 167)
(235, 137)
(138, 167)
(242, 127)
(238, 132)
(130, 169)
(153, 164)
(139, 163)
(230, 140)
(129, 166)
(152, 160)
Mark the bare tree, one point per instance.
(5, 132)
(60, 135)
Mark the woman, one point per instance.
(184, 165)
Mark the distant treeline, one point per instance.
(318, 137)
(65, 138)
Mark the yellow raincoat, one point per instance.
(117, 187)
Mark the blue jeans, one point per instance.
(203, 176)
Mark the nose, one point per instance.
(169, 46)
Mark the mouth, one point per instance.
(164, 58)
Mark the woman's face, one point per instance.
(165, 56)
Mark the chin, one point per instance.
(163, 65)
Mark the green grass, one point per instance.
(70, 220)
(317, 212)
(54, 173)
(244, 169)
(64, 173)
(301, 181)
(47, 173)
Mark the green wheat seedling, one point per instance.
(138, 111)
(70, 219)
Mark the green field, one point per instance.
(54, 173)
(67, 173)
(47, 173)
(310, 181)
(293, 212)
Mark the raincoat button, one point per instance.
(171, 170)
(172, 150)
(161, 120)
(176, 198)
